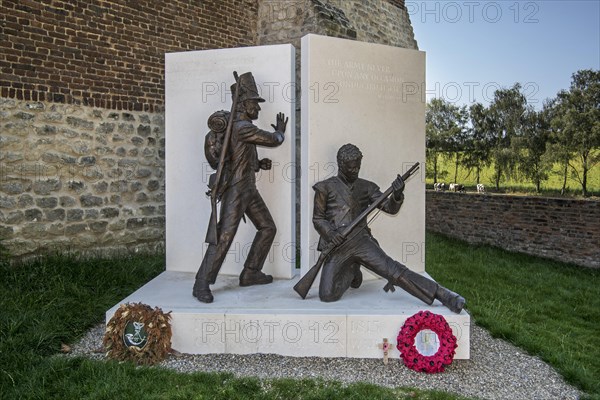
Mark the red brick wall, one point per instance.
(562, 229)
(110, 54)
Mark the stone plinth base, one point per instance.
(274, 319)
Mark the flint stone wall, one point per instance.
(80, 178)
(376, 21)
(379, 21)
(566, 230)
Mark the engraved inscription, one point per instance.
(379, 79)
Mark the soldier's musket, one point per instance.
(212, 236)
(304, 284)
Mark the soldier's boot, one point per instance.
(453, 301)
(250, 277)
(358, 277)
(202, 291)
(206, 276)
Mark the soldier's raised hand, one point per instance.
(281, 123)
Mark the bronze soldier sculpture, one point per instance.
(234, 185)
(343, 201)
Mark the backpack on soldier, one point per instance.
(213, 144)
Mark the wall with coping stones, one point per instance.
(566, 230)
(80, 178)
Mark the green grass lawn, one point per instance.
(551, 186)
(549, 309)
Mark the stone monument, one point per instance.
(352, 92)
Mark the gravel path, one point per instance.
(496, 370)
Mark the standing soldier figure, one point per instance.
(237, 191)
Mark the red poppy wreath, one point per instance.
(413, 359)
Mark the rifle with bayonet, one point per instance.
(212, 236)
(304, 284)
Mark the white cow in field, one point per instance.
(457, 187)
(439, 186)
(480, 188)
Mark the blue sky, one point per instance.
(474, 47)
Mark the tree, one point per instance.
(534, 163)
(560, 146)
(506, 116)
(479, 141)
(577, 123)
(442, 121)
(458, 139)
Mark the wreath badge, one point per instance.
(435, 346)
(138, 333)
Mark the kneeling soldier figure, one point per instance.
(338, 201)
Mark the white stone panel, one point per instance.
(288, 334)
(373, 96)
(198, 333)
(198, 84)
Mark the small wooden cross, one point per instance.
(385, 346)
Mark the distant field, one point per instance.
(550, 186)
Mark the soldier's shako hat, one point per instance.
(248, 89)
